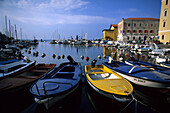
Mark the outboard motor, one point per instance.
(70, 59)
(93, 63)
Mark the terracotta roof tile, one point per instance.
(142, 19)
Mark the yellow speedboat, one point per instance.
(108, 83)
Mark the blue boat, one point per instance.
(11, 68)
(154, 67)
(9, 61)
(57, 84)
(141, 76)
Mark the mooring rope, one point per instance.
(133, 99)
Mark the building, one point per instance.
(138, 29)
(111, 33)
(164, 25)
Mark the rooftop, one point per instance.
(141, 19)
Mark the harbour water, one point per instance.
(85, 100)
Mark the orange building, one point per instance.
(111, 33)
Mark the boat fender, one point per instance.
(33, 53)
(104, 56)
(62, 56)
(26, 59)
(54, 56)
(58, 57)
(87, 58)
(43, 55)
(82, 57)
(99, 57)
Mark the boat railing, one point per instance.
(45, 91)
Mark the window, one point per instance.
(134, 25)
(166, 3)
(128, 31)
(134, 31)
(128, 25)
(164, 24)
(128, 38)
(133, 38)
(146, 25)
(139, 38)
(151, 31)
(162, 37)
(140, 31)
(140, 25)
(146, 31)
(165, 13)
(151, 25)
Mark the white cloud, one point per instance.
(52, 4)
(64, 19)
(46, 12)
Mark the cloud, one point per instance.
(51, 4)
(64, 19)
(51, 12)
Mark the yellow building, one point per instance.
(110, 34)
(164, 25)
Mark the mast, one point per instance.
(6, 30)
(9, 29)
(21, 33)
(16, 32)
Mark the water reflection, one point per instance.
(87, 101)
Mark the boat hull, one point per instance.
(52, 101)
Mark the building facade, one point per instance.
(164, 27)
(111, 33)
(138, 29)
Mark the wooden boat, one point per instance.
(58, 84)
(13, 67)
(151, 66)
(15, 87)
(141, 75)
(108, 83)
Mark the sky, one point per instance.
(61, 19)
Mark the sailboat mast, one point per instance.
(16, 32)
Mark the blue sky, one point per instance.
(50, 18)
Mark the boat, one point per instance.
(9, 61)
(155, 50)
(58, 84)
(13, 67)
(141, 76)
(143, 48)
(151, 66)
(109, 84)
(14, 89)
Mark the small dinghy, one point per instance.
(58, 84)
(109, 84)
(13, 66)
